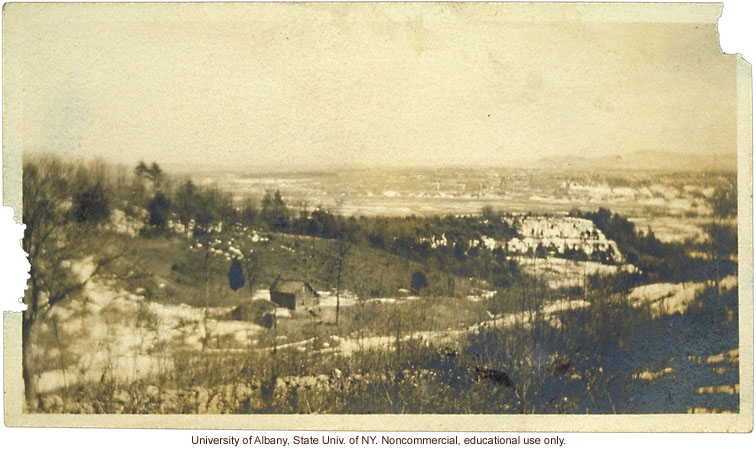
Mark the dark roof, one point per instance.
(292, 287)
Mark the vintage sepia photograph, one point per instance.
(378, 209)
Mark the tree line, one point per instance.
(676, 261)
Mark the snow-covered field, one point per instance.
(107, 331)
(669, 299)
(672, 228)
(560, 272)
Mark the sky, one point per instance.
(245, 86)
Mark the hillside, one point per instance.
(155, 298)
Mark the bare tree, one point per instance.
(344, 242)
(723, 237)
(185, 202)
(204, 220)
(53, 244)
(250, 271)
(343, 245)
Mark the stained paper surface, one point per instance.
(371, 88)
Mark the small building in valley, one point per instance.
(293, 294)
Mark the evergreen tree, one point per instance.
(159, 209)
(236, 275)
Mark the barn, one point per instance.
(293, 294)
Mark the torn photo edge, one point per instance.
(740, 422)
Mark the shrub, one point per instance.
(419, 281)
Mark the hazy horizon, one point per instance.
(319, 86)
(674, 162)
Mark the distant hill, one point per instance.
(642, 160)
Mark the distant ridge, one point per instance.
(643, 160)
(636, 160)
